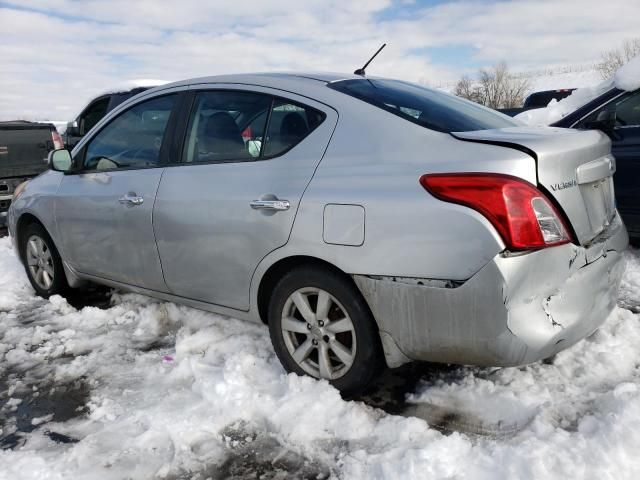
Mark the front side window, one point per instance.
(235, 126)
(133, 139)
(426, 107)
(626, 108)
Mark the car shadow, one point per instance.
(392, 392)
(92, 295)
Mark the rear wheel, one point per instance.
(42, 262)
(321, 326)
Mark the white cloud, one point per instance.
(56, 54)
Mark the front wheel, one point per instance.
(321, 326)
(42, 262)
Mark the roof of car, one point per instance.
(311, 84)
(324, 77)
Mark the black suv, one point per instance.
(94, 112)
(617, 113)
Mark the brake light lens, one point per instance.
(523, 216)
(57, 140)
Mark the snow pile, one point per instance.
(628, 76)
(165, 391)
(581, 78)
(558, 109)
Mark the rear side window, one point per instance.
(429, 108)
(288, 125)
(236, 126)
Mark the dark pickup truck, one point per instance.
(24, 147)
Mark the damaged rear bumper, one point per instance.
(516, 310)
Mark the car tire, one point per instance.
(42, 262)
(321, 326)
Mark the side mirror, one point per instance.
(60, 160)
(605, 121)
(72, 129)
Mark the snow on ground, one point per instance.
(555, 80)
(146, 389)
(576, 76)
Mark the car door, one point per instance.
(104, 209)
(246, 160)
(625, 146)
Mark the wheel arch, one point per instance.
(22, 224)
(394, 357)
(279, 268)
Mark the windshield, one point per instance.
(429, 108)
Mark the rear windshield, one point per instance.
(428, 108)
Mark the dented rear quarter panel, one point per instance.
(516, 310)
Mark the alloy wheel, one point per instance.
(318, 333)
(40, 262)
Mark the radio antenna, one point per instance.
(360, 71)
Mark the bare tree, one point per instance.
(496, 88)
(466, 88)
(612, 60)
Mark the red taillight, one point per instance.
(522, 215)
(57, 141)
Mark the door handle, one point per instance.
(131, 199)
(277, 205)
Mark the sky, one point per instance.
(55, 55)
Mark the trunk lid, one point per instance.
(574, 167)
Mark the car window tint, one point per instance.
(288, 125)
(132, 139)
(426, 107)
(226, 126)
(627, 108)
(93, 115)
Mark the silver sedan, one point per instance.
(365, 220)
